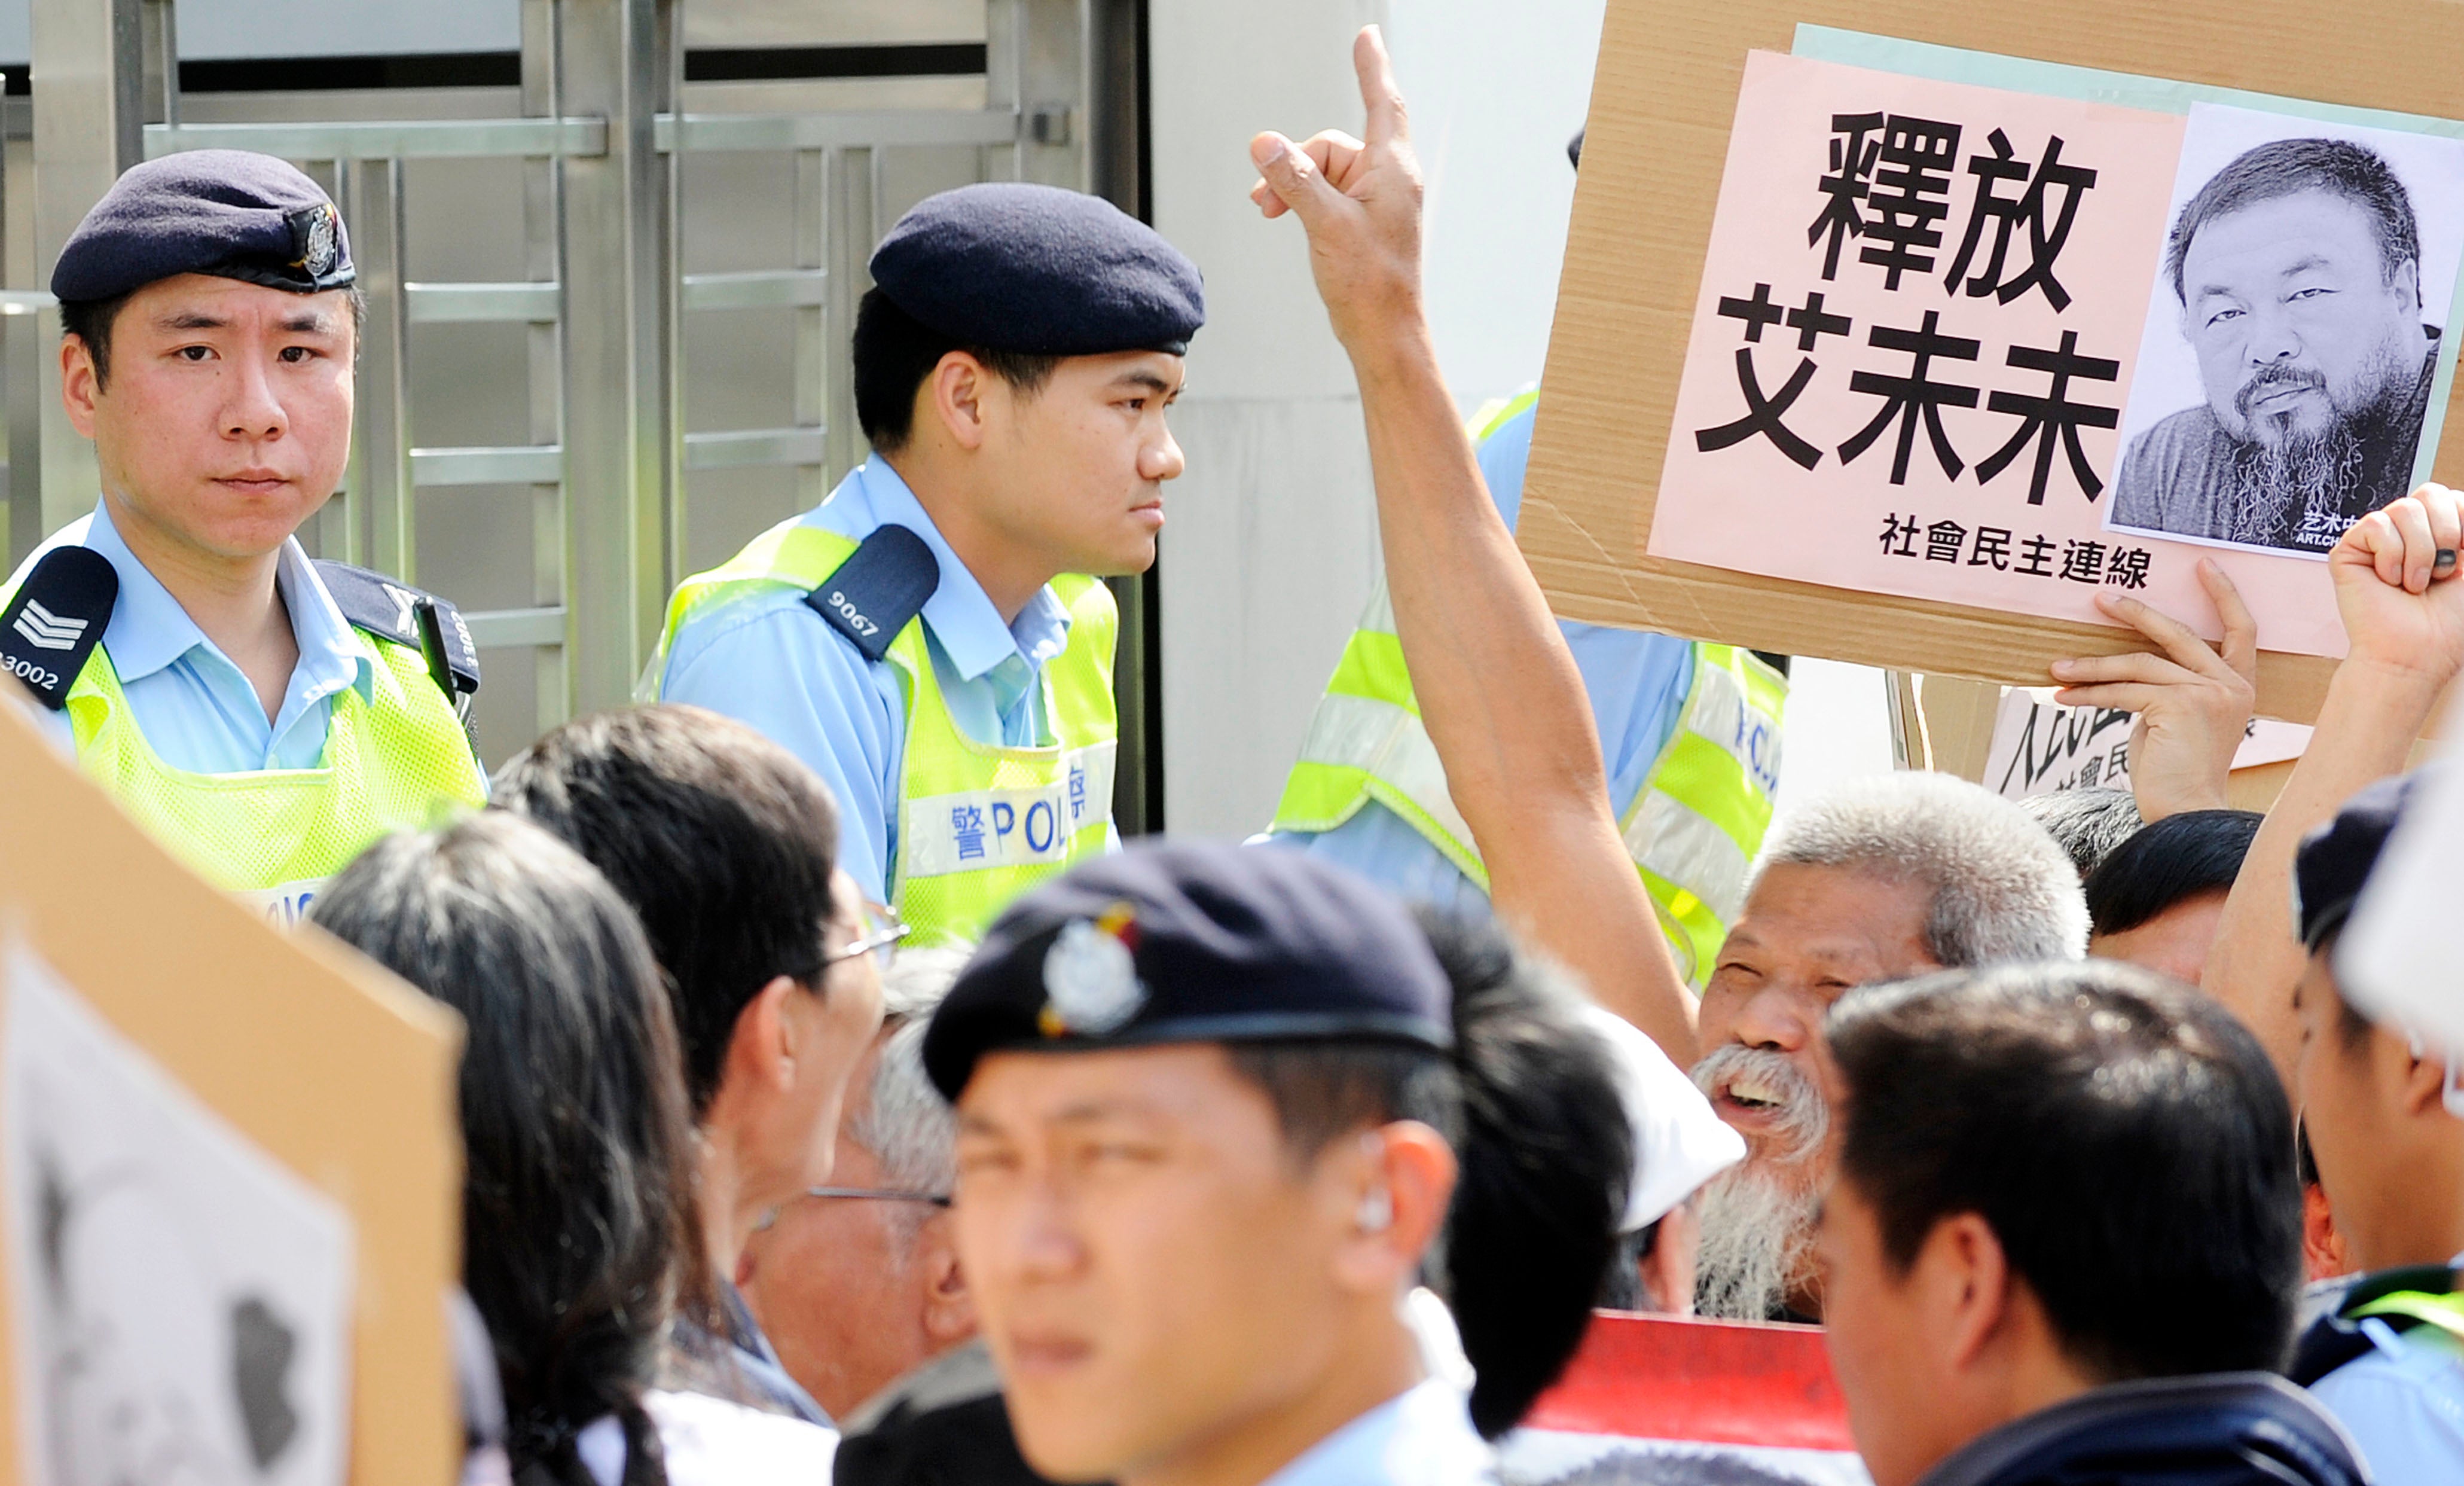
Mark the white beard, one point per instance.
(1757, 1236)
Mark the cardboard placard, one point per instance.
(1635, 299)
(286, 1123)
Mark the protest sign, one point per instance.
(1875, 343)
(229, 1171)
(1666, 1399)
(2040, 746)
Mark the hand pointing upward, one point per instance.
(1360, 202)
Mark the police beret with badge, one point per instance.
(1192, 942)
(228, 213)
(1041, 271)
(2333, 862)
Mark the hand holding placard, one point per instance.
(2193, 703)
(2404, 615)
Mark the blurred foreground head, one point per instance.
(1876, 879)
(577, 1220)
(2051, 1178)
(1218, 1110)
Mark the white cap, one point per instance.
(1679, 1142)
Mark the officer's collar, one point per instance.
(961, 614)
(149, 630)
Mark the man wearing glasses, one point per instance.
(727, 848)
(857, 1283)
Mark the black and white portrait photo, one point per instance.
(2293, 338)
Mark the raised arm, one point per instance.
(1498, 690)
(2404, 616)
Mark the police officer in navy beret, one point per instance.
(1220, 1109)
(265, 715)
(934, 639)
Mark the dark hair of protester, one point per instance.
(2087, 824)
(894, 352)
(578, 1227)
(723, 842)
(2287, 167)
(2171, 861)
(2125, 1137)
(1530, 1103)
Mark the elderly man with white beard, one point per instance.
(1876, 880)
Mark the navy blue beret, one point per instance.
(2333, 862)
(1038, 270)
(230, 212)
(1193, 942)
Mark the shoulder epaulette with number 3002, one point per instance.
(52, 626)
(884, 582)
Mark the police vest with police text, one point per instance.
(272, 836)
(1692, 829)
(977, 822)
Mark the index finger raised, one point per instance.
(1382, 100)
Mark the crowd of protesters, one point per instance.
(1221, 1164)
(1213, 1163)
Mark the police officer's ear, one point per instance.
(2426, 1079)
(80, 383)
(1392, 1187)
(956, 395)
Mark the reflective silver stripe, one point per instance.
(1680, 846)
(1388, 743)
(1722, 715)
(980, 830)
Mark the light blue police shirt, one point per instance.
(1637, 684)
(195, 707)
(2403, 1401)
(768, 660)
(1420, 1438)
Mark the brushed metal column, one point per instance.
(616, 59)
(89, 126)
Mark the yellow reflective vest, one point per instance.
(272, 836)
(978, 824)
(1692, 829)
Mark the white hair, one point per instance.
(2003, 890)
(905, 1123)
(1756, 1222)
(1757, 1242)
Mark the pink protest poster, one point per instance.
(2011, 351)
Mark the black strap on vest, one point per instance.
(2335, 1340)
(409, 616)
(884, 582)
(52, 627)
